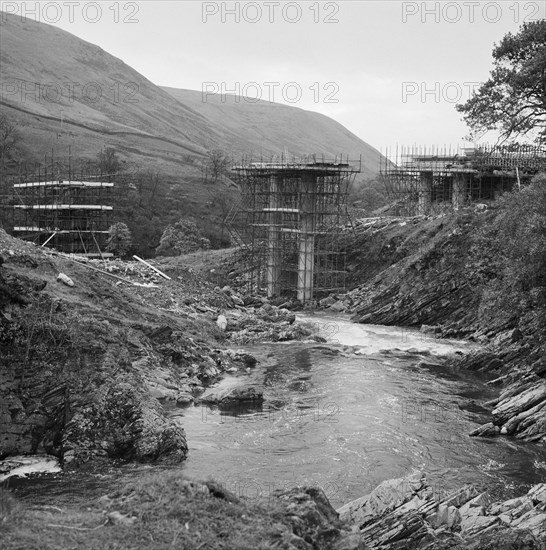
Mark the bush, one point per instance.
(119, 240)
(181, 238)
(515, 241)
(522, 229)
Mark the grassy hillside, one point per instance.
(64, 94)
(111, 104)
(263, 127)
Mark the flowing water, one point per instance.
(373, 403)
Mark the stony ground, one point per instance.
(88, 357)
(86, 367)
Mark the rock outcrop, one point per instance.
(434, 274)
(315, 524)
(520, 408)
(406, 513)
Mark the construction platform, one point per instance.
(69, 215)
(289, 221)
(422, 181)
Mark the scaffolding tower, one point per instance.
(289, 222)
(72, 216)
(422, 181)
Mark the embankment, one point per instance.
(477, 274)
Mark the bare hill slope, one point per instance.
(61, 90)
(263, 126)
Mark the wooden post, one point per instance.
(152, 267)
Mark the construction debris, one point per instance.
(152, 267)
(65, 279)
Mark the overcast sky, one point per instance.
(390, 71)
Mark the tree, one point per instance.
(181, 238)
(109, 162)
(9, 140)
(216, 165)
(119, 240)
(513, 100)
(369, 194)
(147, 183)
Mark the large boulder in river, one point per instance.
(240, 394)
(123, 423)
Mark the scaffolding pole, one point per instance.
(71, 215)
(421, 181)
(289, 221)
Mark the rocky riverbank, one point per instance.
(442, 275)
(87, 359)
(86, 367)
(167, 510)
(409, 513)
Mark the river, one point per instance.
(374, 403)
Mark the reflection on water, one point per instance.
(344, 420)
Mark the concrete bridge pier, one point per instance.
(459, 192)
(306, 260)
(425, 193)
(273, 273)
